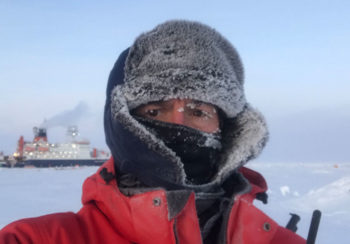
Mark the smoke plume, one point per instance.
(68, 117)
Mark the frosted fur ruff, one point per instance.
(198, 64)
(181, 59)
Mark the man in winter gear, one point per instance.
(180, 130)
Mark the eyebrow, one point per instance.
(166, 103)
(158, 103)
(198, 103)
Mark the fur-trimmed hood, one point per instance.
(178, 59)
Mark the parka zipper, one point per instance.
(175, 232)
(226, 216)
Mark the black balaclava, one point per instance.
(198, 151)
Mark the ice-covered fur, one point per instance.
(243, 139)
(182, 59)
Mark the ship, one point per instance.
(2, 160)
(41, 153)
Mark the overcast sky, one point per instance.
(56, 57)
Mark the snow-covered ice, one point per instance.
(303, 187)
(293, 188)
(37, 191)
(285, 190)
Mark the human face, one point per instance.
(188, 112)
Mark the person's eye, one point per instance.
(152, 112)
(202, 114)
(198, 113)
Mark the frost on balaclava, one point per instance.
(198, 151)
(185, 60)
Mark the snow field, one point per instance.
(33, 192)
(303, 187)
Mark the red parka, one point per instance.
(108, 216)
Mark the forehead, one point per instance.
(185, 102)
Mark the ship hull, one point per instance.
(40, 163)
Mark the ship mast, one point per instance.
(72, 132)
